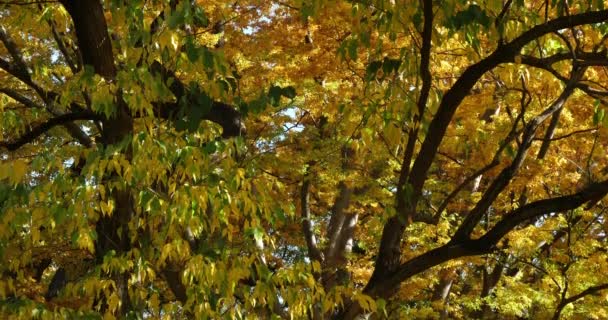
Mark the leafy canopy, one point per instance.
(303, 159)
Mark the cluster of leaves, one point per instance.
(303, 159)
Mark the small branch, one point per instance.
(15, 53)
(72, 128)
(569, 134)
(495, 160)
(461, 186)
(72, 63)
(34, 133)
(503, 12)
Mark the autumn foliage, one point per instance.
(303, 159)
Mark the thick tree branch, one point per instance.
(389, 251)
(96, 50)
(311, 242)
(21, 99)
(38, 130)
(530, 211)
(334, 227)
(454, 96)
(173, 278)
(221, 113)
(425, 74)
(23, 75)
(582, 294)
(392, 233)
(92, 33)
(459, 248)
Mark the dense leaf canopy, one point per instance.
(303, 159)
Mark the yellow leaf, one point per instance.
(17, 171)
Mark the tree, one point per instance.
(303, 159)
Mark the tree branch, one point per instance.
(72, 63)
(21, 99)
(393, 231)
(38, 130)
(336, 221)
(495, 161)
(591, 193)
(311, 242)
(221, 113)
(92, 33)
(586, 292)
(460, 248)
(18, 61)
(569, 134)
(454, 96)
(72, 128)
(505, 176)
(389, 252)
(25, 3)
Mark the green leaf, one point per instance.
(199, 17)
(352, 46)
(372, 70)
(390, 65)
(192, 51)
(474, 14)
(289, 92)
(275, 93)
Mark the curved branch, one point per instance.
(586, 292)
(69, 59)
(485, 244)
(454, 96)
(592, 193)
(40, 129)
(72, 128)
(393, 230)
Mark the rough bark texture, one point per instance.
(96, 50)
